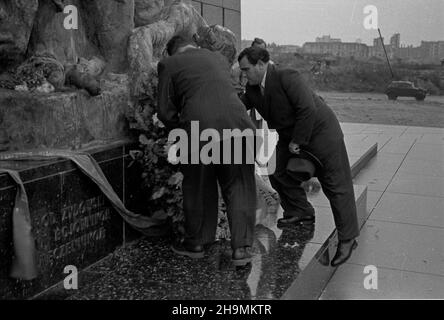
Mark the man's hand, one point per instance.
(294, 148)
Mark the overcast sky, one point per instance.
(299, 21)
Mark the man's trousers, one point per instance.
(336, 182)
(200, 202)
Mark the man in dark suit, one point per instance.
(195, 86)
(303, 121)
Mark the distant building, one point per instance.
(427, 52)
(409, 53)
(395, 41)
(432, 50)
(338, 49)
(377, 50)
(377, 42)
(327, 39)
(275, 49)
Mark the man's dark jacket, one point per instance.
(294, 110)
(195, 85)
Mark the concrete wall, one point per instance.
(226, 13)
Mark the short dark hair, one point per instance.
(254, 54)
(258, 41)
(179, 41)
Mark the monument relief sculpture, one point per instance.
(111, 53)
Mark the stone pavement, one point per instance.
(404, 235)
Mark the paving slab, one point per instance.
(354, 138)
(424, 130)
(387, 127)
(394, 130)
(373, 197)
(417, 185)
(411, 137)
(384, 162)
(381, 141)
(426, 167)
(353, 128)
(429, 138)
(379, 184)
(348, 284)
(358, 148)
(379, 172)
(412, 209)
(424, 151)
(404, 236)
(401, 246)
(398, 146)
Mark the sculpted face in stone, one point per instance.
(218, 38)
(16, 21)
(147, 11)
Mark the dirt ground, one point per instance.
(377, 109)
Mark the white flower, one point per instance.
(22, 87)
(172, 154)
(157, 122)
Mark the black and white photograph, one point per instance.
(223, 156)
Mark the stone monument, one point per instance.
(70, 71)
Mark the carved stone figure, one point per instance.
(218, 38)
(115, 39)
(147, 11)
(146, 43)
(16, 21)
(129, 35)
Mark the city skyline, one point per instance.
(343, 19)
(386, 41)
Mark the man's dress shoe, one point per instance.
(345, 249)
(195, 252)
(297, 220)
(241, 256)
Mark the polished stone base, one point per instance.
(291, 263)
(288, 264)
(148, 269)
(73, 222)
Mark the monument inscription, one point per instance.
(73, 222)
(77, 228)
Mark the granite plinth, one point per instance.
(291, 263)
(284, 260)
(73, 222)
(149, 270)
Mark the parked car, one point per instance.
(405, 89)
